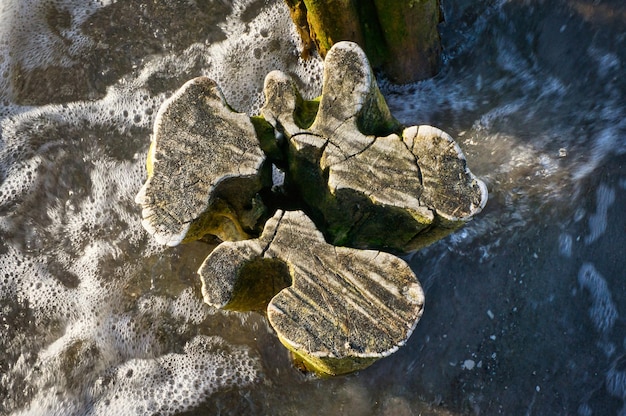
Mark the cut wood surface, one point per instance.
(368, 180)
(338, 309)
(370, 186)
(204, 168)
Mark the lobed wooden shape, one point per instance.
(365, 181)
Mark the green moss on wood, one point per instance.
(374, 43)
(305, 112)
(376, 119)
(332, 21)
(400, 36)
(328, 366)
(410, 33)
(267, 138)
(220, 220)
(258, 281)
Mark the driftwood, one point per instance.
(366, 183)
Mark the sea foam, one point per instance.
(97, 318)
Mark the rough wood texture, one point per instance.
(344, 309)
(410, 33)
(204, 169)
(368, 181)
(400, 36)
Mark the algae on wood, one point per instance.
(365, 180)
(400, 36)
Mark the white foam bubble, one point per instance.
(75, 261)
(38, 34)
(168, 384)
(174, 383)
(254, 50)
(49, 31)
(108, 355)
(605, 196)
(603, 312)
(565, 244)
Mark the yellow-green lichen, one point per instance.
(150, 159)
(332, 21)
(376, 119)
(267, 138)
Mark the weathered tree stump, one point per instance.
(205, 169)
(338, 309)
(365, 181)
(368, 180)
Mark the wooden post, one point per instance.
(332, 289)
(399, 36)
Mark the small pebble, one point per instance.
(469, 364)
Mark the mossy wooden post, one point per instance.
(367, 186)
(399, 36)
(371, 182)
(205, 169)
(410, 33)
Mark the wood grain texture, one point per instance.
(344, 308)
(205, 160)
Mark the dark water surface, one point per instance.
(524, 306)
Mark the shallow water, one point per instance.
(523, 306)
